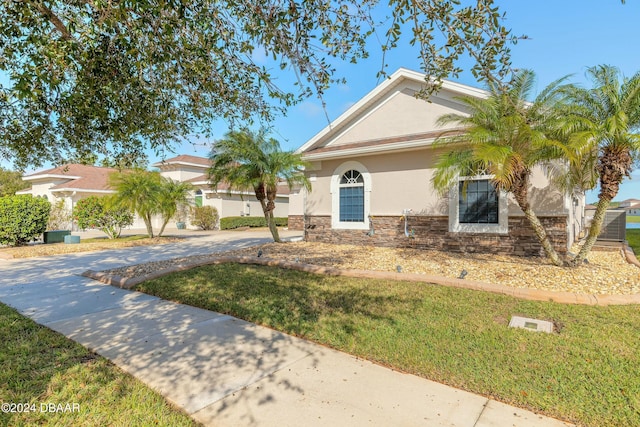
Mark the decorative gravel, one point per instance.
(606, 273)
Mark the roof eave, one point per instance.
(376, 149)
(49, 176)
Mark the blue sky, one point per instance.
(566, 37)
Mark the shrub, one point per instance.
(231, 222)
(22, 218)
(205, 217)
(59, 216)
(98, 212)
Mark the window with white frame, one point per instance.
(477, 202)
(352, 197)
(350, 191)
(475, 206)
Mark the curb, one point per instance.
(629, 255)
(521, 293)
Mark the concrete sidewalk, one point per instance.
(225, 371)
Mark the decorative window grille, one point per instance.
(352, 197)
(477, 202)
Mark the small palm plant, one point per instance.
(139, 191)
(505, 137)
(172, 195)
(247, 160)
(604, 122)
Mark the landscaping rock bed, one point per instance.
(607, 272)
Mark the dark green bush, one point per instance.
(204, 217)
(22, 218)
(231, 222)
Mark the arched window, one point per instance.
(198, 199)
(350, 196)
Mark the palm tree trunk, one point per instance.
(147, 223)
(594, 230)
(164, 224)
(543, 237)
(268, 215)
(521, 193)
(613, 165)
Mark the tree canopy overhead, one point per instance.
(117, 76)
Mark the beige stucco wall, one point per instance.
(182, 172)
(400, 113)
(403, 181)
(234, 205)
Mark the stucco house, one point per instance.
(193, 169)
(633, 210)
(371, 171)
(69, 183)
(73, 182)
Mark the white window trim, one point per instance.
(335, 197)
(502, 227)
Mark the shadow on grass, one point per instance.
(286, 300)
(41, 368)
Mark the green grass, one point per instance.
(588, 372)
(40, 366)
(633, 218)
(633, 238)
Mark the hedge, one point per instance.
(231, 222)
(22, 218)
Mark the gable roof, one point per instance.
(185, 160)
(76, 177)
(320, 144)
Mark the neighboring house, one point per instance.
(632, 210)
(627, 203)
(371, 171)
(73, 182)
(193, 169)
(69, 183)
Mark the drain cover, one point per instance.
(531, 324)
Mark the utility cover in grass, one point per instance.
(531, 324)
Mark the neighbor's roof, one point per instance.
(184, 159)
(76, 176)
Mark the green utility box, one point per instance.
(56, 236)
(71, 239)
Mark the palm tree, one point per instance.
(505, 137)
(172, 194)
(246, 160)
(604, 122)
(138, 190)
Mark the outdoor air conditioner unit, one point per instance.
(614, 227)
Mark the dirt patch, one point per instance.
(62, 248)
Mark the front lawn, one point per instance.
(633, 238)
(587, 372)
(43, 368)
